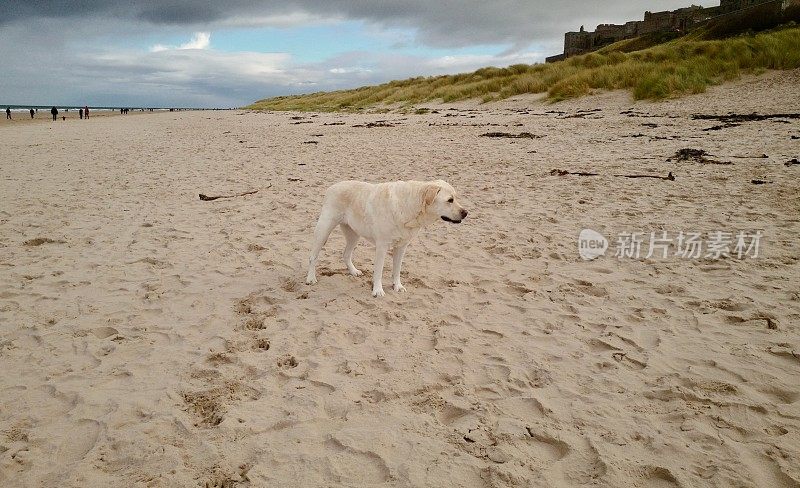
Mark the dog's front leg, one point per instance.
(397, 254)
(381, 248)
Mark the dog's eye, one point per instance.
(451, 200)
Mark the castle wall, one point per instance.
(756, 12)
(753, 15)
(727, 6)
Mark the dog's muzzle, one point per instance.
(452, 221)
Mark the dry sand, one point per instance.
(148, 338)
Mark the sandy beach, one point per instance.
(151, 339)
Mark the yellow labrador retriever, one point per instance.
(387, 214)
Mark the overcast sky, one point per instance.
(210, 53)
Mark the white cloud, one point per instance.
(344, 71)
(200, 40)
(469, 62)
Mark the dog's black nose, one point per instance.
(464, 213)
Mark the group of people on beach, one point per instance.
(8, 113)
(82, 112)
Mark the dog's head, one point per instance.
(439, 201)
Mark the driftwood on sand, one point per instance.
(207, 198)
(521, 135)
(669, 177)
(561, 172)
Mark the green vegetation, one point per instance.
(675, 68)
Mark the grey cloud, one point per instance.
(442, 23)
(179, 14)
(67, 51)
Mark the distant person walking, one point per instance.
(8, 113)
(80, 113)
(86, 111)
(32, 112)
(54, 111)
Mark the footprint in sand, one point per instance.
(599, 345)
(670, 289)
(776, 430)
(585, 465)
(729, 305)
(104, 332)
(658, 476)
(547, 446)
(78, 441)
(785, 351)
(156, 263)
(374, 396)
(380, 366)
(351, 466)
(780, 395)
(255, 323)
(517, 289)
(760, 320)
(589, 288)
(492, 333)
(287, 361)
(523, 407)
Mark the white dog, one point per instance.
(387, 214)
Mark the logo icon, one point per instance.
(591, 244)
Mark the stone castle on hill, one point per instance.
(669, 22)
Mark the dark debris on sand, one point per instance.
(695, 155)
(380, 123)
(735, 120)
(42, 240)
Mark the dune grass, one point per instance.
(675, 68)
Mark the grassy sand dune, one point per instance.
(675, 68)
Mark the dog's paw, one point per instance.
(399, 288)
(356, 272)
(311, 280)
(378, 292)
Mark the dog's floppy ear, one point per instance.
(429, 195)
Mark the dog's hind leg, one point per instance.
(325, 226)
(352, 240)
